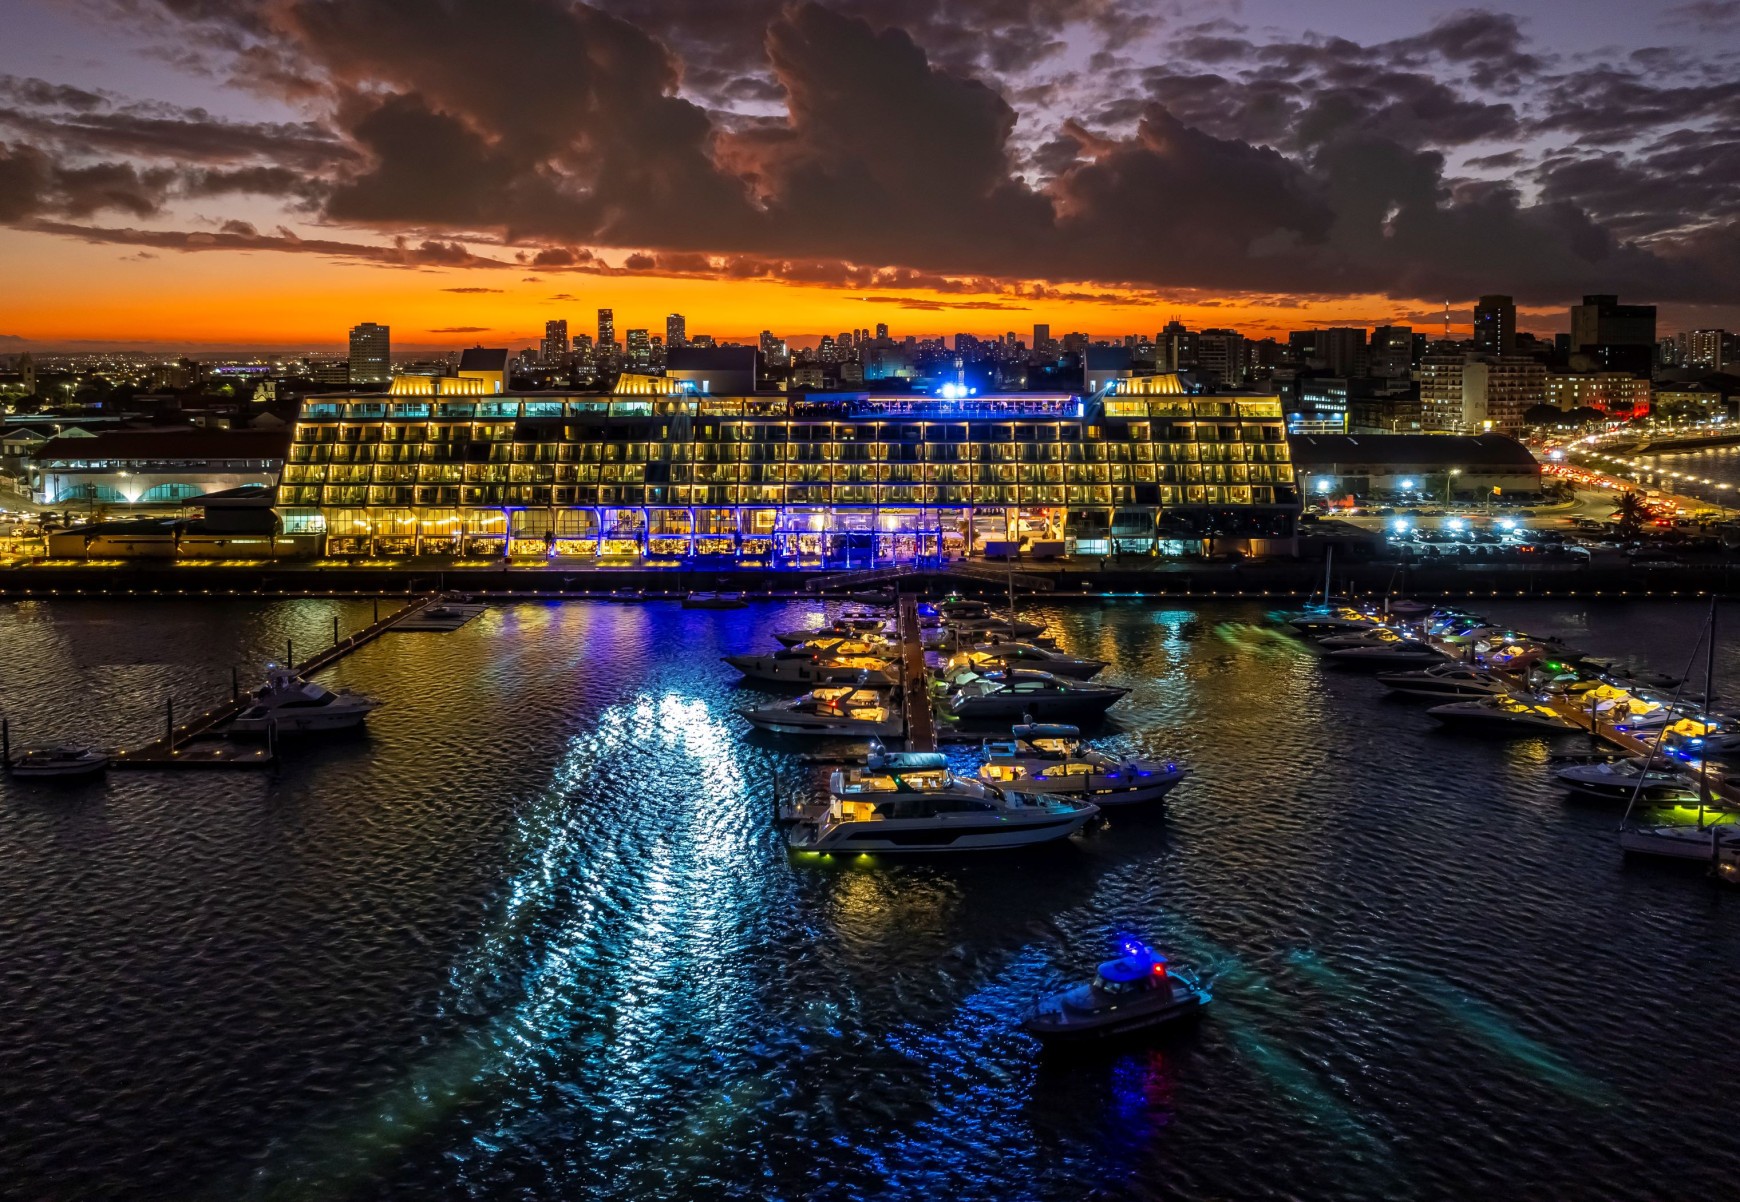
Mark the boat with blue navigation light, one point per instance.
(911, 803)
(1048, 759)
(1138, 991)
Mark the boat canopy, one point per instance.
(1046, 730)
(1691, 728)
(1133, 968)
(908, 761)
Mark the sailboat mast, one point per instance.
(1709, 702)
(1328, 566)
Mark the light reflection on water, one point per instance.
(535, 933)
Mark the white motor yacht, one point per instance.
(970, 630)
(1446, 681)
(1625, 779)
(849, 711)
(1386, 654)
(1687, 842)
(796, 666)
(1504, 712)
(1049, 760)
(1018, 693)
(842, 627)
(293, 706)
(1010, 654)
(61, 762)
(910, 803)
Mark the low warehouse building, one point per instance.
(1441, 467)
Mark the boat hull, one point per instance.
(1017, 706)
(972, 835)
(1677, 842)
(793, 724)
(1113, 1025)
(307, 722)
(803, 672)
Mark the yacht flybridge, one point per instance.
(981, 697)
(910, 803)
(1049, 760)
(1012, 654)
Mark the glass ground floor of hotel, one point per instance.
(787, 482)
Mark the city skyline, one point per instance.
(214, 176)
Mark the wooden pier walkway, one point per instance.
(195, 745)
(914, 680)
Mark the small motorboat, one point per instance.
(844, 626)
(1386, 655)
(61, 762)
(846, 711)
(1704, 842)
(1048, 759)
(1625, 779)
(1017, 692)
(909, 803)
(1001, 654)
(796, 665)
(1445, 680)
(714, 601)
(1506, 712)
(1138, 991)
(627, 594)
(291, 705)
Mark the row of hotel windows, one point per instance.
(1267, 431)
(374, 410)
(654, 452)
(639, 473)
(786, 494)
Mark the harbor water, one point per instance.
(535, 935)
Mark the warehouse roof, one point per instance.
(1412, 450)
(158, 445)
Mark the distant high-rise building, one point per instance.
(1609, 336)
(371, 354)
(1391, 353)
(881, 331)
(1463, 393)
(966, 342)
(1221, 354)
(676, 331)
(1341, 350)
(1704, 349)
(639, 350)
(1495, 325)
(553, 352)
(1043, 347)
(606, 327)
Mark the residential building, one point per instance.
(1706, 349)
(639, 348)
(1462, 392)
(1390, 355)
(1618, 394)
(371, 354)
(554, 351)
(1495, 326)
(1608, 336)
(676, 331)
(1220, 355)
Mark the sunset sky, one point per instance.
(206, 174)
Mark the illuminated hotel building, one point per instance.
(652, 474)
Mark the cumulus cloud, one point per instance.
(939, 145)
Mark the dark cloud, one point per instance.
(927, 305)
(461, 330)
(471, 289)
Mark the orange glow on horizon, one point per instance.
(67, 294)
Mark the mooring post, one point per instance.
(6, 744)
(335, 630)
(272, 739)
(169, 720)
(377, 611)
(289, 655)
(235, 684)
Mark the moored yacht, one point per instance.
(1443, 680)
(291, 705)
(1705, 842)
(845, 626)
(1017, 692)
(1387, 654)
(1504, 712)
(1011, 654)
(797, 666)
(849, 711)
(1625, 779)
(910, 803)
(59, 762)
(1049, 760)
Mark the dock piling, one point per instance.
(335, 630)
(289, 654)
(235, 684)
(6, 744)
(169, 720)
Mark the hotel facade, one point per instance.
(659, 474)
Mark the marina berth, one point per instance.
(1050, 760)
(848, 711)
(909, 803)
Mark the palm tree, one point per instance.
(1631, 512)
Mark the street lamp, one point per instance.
(1448, 476)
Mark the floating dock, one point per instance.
(914, 679)
(198, 744)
